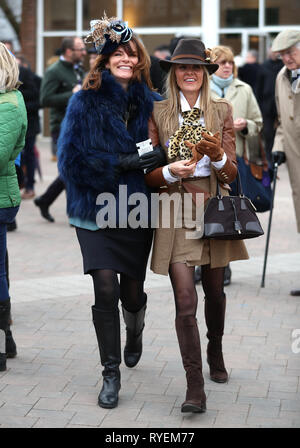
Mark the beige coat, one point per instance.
(244, 105)
(287, 137)
(196, 252)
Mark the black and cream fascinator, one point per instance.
(107, 34)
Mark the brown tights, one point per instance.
(185, 294)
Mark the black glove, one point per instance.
(154, 159)
(149, 161)
(129, 162)
(278, 157)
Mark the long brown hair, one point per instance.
(141, 70)
(173, 107)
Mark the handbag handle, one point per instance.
(239, 189)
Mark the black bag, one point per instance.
(231, 217)
(256, 175)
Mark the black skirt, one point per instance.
(122, 250)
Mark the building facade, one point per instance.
(242, 24)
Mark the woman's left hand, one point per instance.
(211, 146)
(239, 124)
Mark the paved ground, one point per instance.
(55, 379)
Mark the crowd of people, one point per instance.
(172, 123)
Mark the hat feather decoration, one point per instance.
(108, 33)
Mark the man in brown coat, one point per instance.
(286, 146)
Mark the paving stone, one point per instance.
(56, 378)
(231, 418)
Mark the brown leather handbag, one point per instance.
(231, 217)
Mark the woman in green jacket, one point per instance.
(13, 125)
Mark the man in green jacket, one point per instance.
(60, 82)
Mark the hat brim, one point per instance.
(166, 65)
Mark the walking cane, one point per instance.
(262, 285)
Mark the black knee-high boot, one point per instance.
(107, 327)
(11, 348)
(4, 326)
(135, 323)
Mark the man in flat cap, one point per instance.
(286, 146)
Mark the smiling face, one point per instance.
(122, 61)
(189, 78)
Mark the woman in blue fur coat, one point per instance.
(101, 167)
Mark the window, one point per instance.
(141, 13)
(278, 12)
(93, 10)
(59, 15)
(238, 14)
(152, 41)
(233, 41)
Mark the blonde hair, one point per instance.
(173, 107)
(226, 53)
(9, 70)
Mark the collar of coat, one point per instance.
(138, 96)
(111, 117)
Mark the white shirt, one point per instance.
(296, 83)
(203, 166)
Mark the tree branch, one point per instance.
(10, 17)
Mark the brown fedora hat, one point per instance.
(189, 51)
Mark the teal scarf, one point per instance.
(220, 85)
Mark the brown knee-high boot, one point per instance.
(190, 349)
(215, 318)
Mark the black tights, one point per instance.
(108, 291)
(185, 294)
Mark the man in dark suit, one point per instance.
(30, 89)
(250, 70)
(61, 80)
(265, 92)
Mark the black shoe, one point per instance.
(12, 226)
(295, 292)
(107, 327)
(135, 323)
(11, 348)
(197, 274)
(43, 209)
(109, 394)
(4, 326)
(227, 275)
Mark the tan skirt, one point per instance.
(171, 245)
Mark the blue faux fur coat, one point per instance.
(92, 135)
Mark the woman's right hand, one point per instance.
(182, 169)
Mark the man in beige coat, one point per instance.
(286, 146)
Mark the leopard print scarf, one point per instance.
(190, 130)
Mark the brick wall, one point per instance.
(28, 31)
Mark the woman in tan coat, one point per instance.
(211, 159)
(247, 118)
